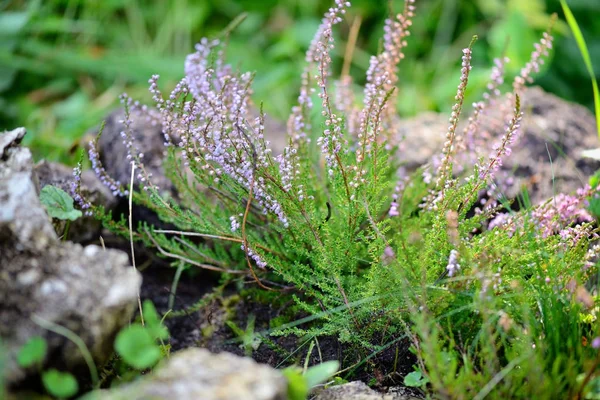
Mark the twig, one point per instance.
(187, 260)
(131, 237)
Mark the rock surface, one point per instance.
(547, 157)
(360, 391)
(199, 374)
(88, 290)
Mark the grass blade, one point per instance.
(586, 57)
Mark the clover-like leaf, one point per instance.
(60, 384)
(137, 347)
(415, 379)
(58, 203)
(32, 352)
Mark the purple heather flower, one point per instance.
(453, 265)
(534, 64)
(444, 169)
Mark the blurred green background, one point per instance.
(63, 63)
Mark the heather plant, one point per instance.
(492, 300)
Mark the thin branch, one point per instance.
(131, 237)
(189, 261)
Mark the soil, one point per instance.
(206, 327)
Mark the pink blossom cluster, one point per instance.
(382, 79)
(504, 148)
(115, 186)
(394, 212)
(260, 262)
(537, 60)
(470, 141)
(591, 257)
(212, 128)
(319, 52)
(75, 189)
(444, 170)
(563, 210)
(453, 266)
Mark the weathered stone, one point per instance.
(199, 374)
(547, 156)
(88, 290)
(11, 138)
(360, 391)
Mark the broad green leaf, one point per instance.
(321, 372)
(58, 203)
(415, 379)
(586, 57)
(137, 347)
(32, 352)
(297, 387)
(60, 384)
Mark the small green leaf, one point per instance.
(415, 379)
(153, 322)
(32, 352)
(321, 372)
(60, 384)
(594, 206)
(137, 347)
(595, 179)
(297, 386)
(58, 203)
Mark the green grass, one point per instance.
(586, 57)
(64, 63)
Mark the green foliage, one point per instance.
(57, 383)
(60, 384)
(250, 340)
(137, 343)
(64, 63)
(415, 379)
(586, 57)
(368, 256)
(33, 352)
(58, 203)
(137, 347)
(300, 384)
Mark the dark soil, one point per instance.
(206, 327)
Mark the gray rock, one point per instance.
(360, 391)
(199, 374)
(88, 290)
(550, 125)
(547, 158)
(11, 138)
